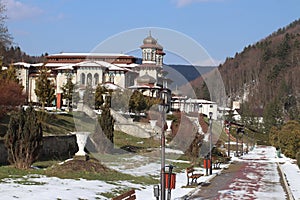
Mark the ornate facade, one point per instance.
(111, 70)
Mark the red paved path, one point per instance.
(254, 177)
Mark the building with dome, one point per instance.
(110, 70)
(113, 71)
(151, 77)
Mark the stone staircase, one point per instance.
(196, 123)
(126, 125)
(137, 129)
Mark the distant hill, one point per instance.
(191, 72)
(183, 74)
(265, 76)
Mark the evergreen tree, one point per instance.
(204, 92)
(24, 138)
(287, 138)
(89, 97)
(106, 120)
(137, 102)
(104, 132)
(272, 115)
(284, 48)
(99, 100)
(44, 88)
(69, 91)
(11, 74)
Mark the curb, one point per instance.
(286, 184)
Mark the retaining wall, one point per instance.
(54, 148)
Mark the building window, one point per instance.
(153, 55)
(82, 79)
(111, 77)
(96, 78)
(148, 56)
(89, 79)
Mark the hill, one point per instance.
(189, 72)
(265, 76)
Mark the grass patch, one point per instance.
(29, 182)
(122, 139)
(45, 164)
(115, 192)
(110, 176)
(93, 170)
(10, 171)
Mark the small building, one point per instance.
(189, 105)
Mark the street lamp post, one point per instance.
(210, 142)
(164, 107)
(237, 141)
(162, 171)
(247, 144)
(228, 145)
(242, 139)
(243, 133)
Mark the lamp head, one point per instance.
(210, 114)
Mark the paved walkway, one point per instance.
(255, 176)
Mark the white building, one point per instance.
(113, 70)
(188, 105)
(120, 70)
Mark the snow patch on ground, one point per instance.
(52, 188)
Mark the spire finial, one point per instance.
(150, 33)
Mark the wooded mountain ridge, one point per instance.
(264, 77)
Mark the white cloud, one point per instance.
(17, 10)
(182, 3)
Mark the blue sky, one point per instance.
(222, 27)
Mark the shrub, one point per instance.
(24, 138)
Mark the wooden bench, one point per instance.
(130, 195)
(191, 175)
(217, 161)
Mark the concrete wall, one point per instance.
(54, 148)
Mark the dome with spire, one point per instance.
(150, 40)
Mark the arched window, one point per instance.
(153, 55)
(89, 79)
(82, 79)
(148, 56)
(96, 78)
(111, 77)
(144, 55)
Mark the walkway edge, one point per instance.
(286, 184)
(185, 197)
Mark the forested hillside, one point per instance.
(10, 54)
(265, 76)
